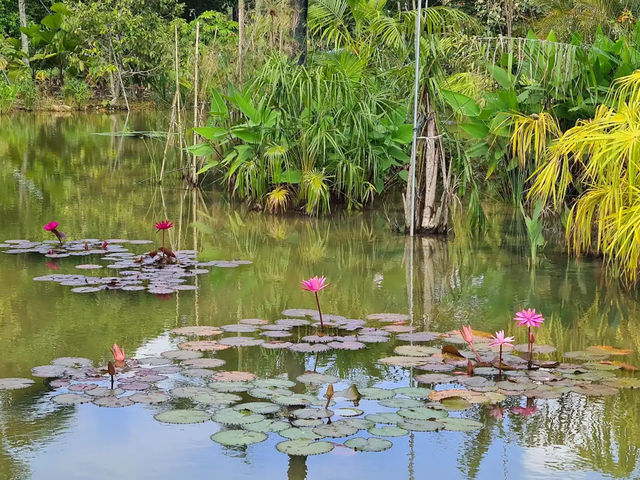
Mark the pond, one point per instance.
(97, 186)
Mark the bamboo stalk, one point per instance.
(194, 175)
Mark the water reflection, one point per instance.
(56, 167)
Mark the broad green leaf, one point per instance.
(218, 105)
(461, 103)
(289, 176)
(200, 149)
(211, 133)
(248, 134)
(208, 166)
(476, 130)
(501, 76)
(52, 22)
(404, 134)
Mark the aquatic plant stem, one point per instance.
(500, 363)
(530, 349)
(319, 312)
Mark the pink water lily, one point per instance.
(315, 284)
(529, 318)
(498, 340)
(53, 228)
(467, 335)
(162, 227)
(118, 353)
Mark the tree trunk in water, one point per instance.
(23, 23)
(433, 179)
(300, 7)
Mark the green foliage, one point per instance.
(28, 92)
(77, 92)
(8, 96)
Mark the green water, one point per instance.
(57, 168)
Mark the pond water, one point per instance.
(58, 168)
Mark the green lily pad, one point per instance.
(273, 383)
(375, 393)
(309, 413)
(359, 423)
(623, 382)
(402, 361)
(400, 403)
(113, 401)
(349, 412)
(600, 366)
(263, 408)
(48, 371)
(384, 417)
(215, 398)
(181, 354)
(183, 416)
(238, 438)
(585, 355)
(229, 416)
(388, 431)
(150, 398)
(266, 426)
(300, 433)
(416, 350)
(268, 392)
(595, 390)
(204, 362)
(317, 378)
(413, 392)
(15, 383)
(455, 403)
(335, 430)
(304, 448)
(422, 413)
(229, 387)
(370, 444)
(197, 331)
(307, 422)
(189, 391)
(435, 378)
(456, 424)
(72, 362)
(70, 399)
(421, 425)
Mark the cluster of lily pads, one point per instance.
(188, 384)
(160, 272)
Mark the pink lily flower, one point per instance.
(315, 284)
(164, 225)
(499, 340)
(467, 335)
(529, 318)
(53, 228)
(118, 353)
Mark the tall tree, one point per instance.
(301, 9)
(23, 23)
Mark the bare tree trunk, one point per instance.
(300, 8)
(23, 23)
(193, 175)
(240, 36)
(509, 13)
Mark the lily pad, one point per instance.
(297, 399)
(72, 362)
(413, 392)
(229, 416)
(389, 430)
(416, 350)
(189, 391)
(275, 345)
(349, 412)
(15, 383)
(70, 399)
(273, 383)
(303, 347)
(456, 424)
(241, 341)
(263, 408)
(203, 346)
(585, 355)
(104, 392)
(150, 398)
(400, 403)
(307, 422)
(384, 417)
(204, 362)
(541, 349)
(370, 444)
(292, 322)
(304, 448)
(336, 430)
(299, 433)
(234, 376)
(253, 321)
(375, 393)
(238, 438)
(317, 378)
(402, 361)
(216, 398)
(421, 425)
(181, 354)
(310, 413)
(418, 337)
(48, 371)
(422, 413)
(113, 402)
(435, 378)
(197, 331)
(183, 416)
(229, 387)
(372, 338)
(389, 317)
(238, 328)
(350, 345)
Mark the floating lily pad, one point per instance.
(276, 334)
(351, 345)
(304, 448)
(261, 392)
(275, 345)
(418, 337)
(253, 321)
(113, 402)
(204, 362)
(229, 387)
(309, 413)
(296, 399)
(241, 341)
(372, 339)
(307, 422)
(150, 398)
(335, 430)
(541, 349)
(416, 350)
(70, 399)
(375, 393)
(238, 438)
(203, 345)
(349, 412)
(300, 433)
(273, 383)
(216, 398)
(86, 289)
(413, 392)
(89, 266)
(72, 362)
(238, 328)
(82, 387)
(317, 378)
(292, 322)
(608, 350)
(309, 347)
(422, 413)
(455, 403)
(189, 391)
(229, 416)
(595, 390)
(15, 383)
(389, 317)
(198, 373)
(181, 354)
(263, 408)
(398, 328)
(48, 371)
(434, 378)
(461, 424)
(370, 444)
(421, 425)
(266, 426)
(400, 403)
(585, 355)
(485, 371)
(104, 392)
(388, 431)
(299, 312)
(134, 386)
(436, 367)
(384, 417)
(623, 382)
(197, 331)
(183, 416)
(402, 361)
(234, 376)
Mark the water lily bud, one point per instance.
(532, 337)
